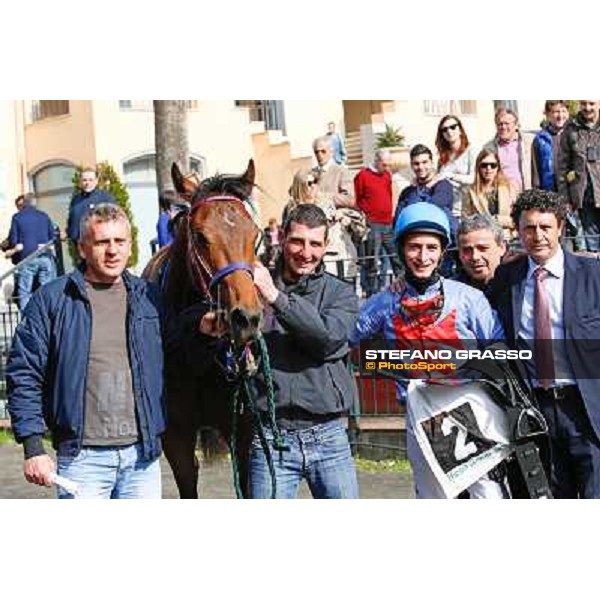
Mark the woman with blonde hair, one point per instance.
(492, 193)
(456, 161)
(305, 190)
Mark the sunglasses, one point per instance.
(449, 127)
(488, 166)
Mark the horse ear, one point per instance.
(178, 179)
(250, 173)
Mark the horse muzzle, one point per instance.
(244, 326)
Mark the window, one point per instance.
(53, 186)
(136, 105)
(439, 108)
(511, 104)
(141, 171)
(140, 178)
(255, 108)
(43, 109)
(269, 111)
(147, 105)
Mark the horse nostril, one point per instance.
(255, 321)
(239, 320)
(242, 321)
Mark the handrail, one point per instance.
(25, 261)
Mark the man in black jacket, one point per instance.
(578, 172)
(309, 315)
(87, 198)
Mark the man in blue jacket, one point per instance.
(88, 197)
(549, 299)
(86, 362)
(544, 149)
(29, 230)
(427, 187)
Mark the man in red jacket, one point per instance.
(373, 191)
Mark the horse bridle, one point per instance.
(199, 271)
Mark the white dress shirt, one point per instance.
(554, 285)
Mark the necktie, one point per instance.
(544, 357)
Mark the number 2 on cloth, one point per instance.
(461, 449)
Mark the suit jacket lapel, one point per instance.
(569, 289)
(517, 295)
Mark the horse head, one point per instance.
(218, 242)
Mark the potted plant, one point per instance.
(392, 139)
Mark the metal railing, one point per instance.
(15, 270)
(10, 315)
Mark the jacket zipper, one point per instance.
(87, 366)
(137, 393)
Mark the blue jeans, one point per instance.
(43, 267)
(319, 454)
(380, 238)
(111, 472)
(590, 221)
(574, 231)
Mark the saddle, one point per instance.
(506, 384)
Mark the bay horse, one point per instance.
(208, 268)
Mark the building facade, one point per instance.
(43, 141)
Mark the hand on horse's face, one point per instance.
(264, 283)
(211, 324)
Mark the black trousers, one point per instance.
(574, 444)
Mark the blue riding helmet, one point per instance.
(423, 217)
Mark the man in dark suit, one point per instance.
(550, 300)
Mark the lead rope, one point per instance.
(246, 401)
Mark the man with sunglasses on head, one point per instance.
(511, 148)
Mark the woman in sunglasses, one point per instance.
(305, 190)
(456, 157)
(492, 193)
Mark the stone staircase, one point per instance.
(354, 157)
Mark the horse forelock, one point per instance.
(231, 185)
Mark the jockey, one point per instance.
(427, 307)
